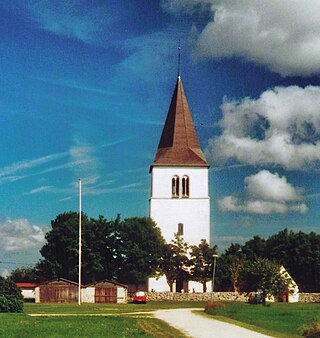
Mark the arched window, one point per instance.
(185, 186)
(175, 186)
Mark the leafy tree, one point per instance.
(98, 251)
(300, 254)
(254, 248)
(202, 263)
(236, 267)
(139, 249)
(27, 275)
(11, 299)
(265, 275)
(61, 250)
(128, 250)
(175, 264)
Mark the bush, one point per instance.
(212, 305)
(313, 331)
(11, 299)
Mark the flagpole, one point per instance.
(80, 233)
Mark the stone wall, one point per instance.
(309, 297)
(176, 296)
(217, 296)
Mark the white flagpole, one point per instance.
(79, 282)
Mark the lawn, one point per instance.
(279, 319)
(133, 320)
(114, 320)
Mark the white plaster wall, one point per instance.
(158, 284)
(37, 294)
(161, 181)
(121, 295)
(28, 294)
(198, 287)
(87, 295)
(161, 285)
(193, 212)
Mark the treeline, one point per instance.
(133, 249)
(127, 251)
(298, 252)
(116, 249)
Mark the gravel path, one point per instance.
(198, 326)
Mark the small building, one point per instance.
(28, 291)
(104, 292)
(292, 294)
(59, 290)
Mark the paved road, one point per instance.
(198, 326)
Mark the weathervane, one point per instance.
(179, 52)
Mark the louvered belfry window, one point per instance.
(185, 186)
(175, 186)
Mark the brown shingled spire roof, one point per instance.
(179, 145)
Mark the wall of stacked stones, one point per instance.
(176, 296)
(309, 297)
(218, 296)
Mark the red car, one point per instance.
(140, 297)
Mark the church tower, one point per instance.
(180, 201)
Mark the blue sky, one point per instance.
(85, 89)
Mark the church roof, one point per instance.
(179, 145)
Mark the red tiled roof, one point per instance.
(26, 285)
(179, 145)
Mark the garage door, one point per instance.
(58, 294)
(105, 295)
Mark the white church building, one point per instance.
(180, 201)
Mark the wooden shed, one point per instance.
(104, 292)
(59, 290)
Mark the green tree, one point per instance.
(128, 250)
(98, 251)
(26, 275)
(254, 248)
(139, 248)
(11, 299)
(299, 253)
(175, 263)
(61, 250)
(265, 275)
(202, 263)
(236, 267)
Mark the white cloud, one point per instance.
(281, 127)
(282, 35)
(271, 187)
(265, 193)
(84, 154)
(84, 20)
(19, 234)
(5, 273)
(29, 164)
(44, 188)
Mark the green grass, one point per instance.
(124, 322)
(278, 320)
(107, 308)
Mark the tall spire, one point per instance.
(179, 52)
(179, 145)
